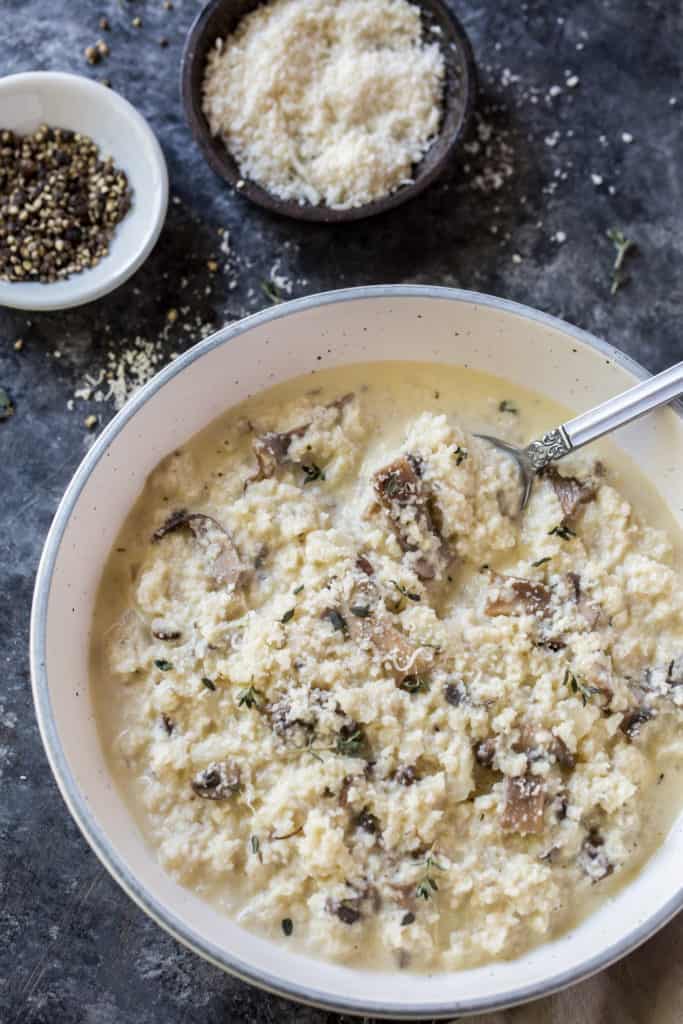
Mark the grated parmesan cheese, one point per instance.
(323, 101)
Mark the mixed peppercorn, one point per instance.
(60, 203)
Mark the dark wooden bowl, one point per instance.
(220, 17)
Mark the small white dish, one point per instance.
(70, 101)
(400, 322)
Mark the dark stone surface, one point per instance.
(73, 948)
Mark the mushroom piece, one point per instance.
(225, 564)
(524, 804)
(513, 595)
(593, 859)
(562, 753)
(346, 910)
(406, 775)
(218, 781)
(375, 629)
(272, 449)
(401, 493)
(570, 491)
(485, 752)
(634, 720)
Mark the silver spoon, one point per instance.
(589, 426)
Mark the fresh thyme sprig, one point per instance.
(622, 246)
(427, 884)
(271, 292)
(250, 698)
(579, 687)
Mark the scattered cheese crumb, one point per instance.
(559, 237)
(572, 81)
(516, 258)
(626, 137)
(323, 101)
(597, 179)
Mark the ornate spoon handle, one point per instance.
(613, 413)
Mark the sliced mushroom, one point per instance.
(406, 775)
(570, 491)
(634, 720)
(218, 781)
(485, 752)
(364, 565)
(455, 693)
(593, 859)
(374, 628)
(562, 753)
(409, 505)
(225, 564)
(346, 910)
(272, 449)
(513, 595)
(524, 804)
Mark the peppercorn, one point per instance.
(60, 203)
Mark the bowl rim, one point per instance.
(98, 841)
(222, 164)
(81, 290)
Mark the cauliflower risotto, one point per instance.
(364, 707)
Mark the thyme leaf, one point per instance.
(6, 405)
(255, 844)
(506, 406)
(208, 683)
(271, 292)
(540, 561)
(361, 611)
(163, 665)
(460, 455)
(350, 741)
(577, 686)
(287, 617)
(336, 620)
(287, 926)
(425, 887)
(250, 698)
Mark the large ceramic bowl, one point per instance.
(407, 323)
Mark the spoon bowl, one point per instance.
(589, 426)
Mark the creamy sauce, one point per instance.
(392, 396)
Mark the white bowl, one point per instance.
(399, 322)
(71, 101)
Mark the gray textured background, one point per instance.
(73, 948)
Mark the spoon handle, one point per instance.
(613, 413)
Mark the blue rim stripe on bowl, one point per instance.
(67, 784)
